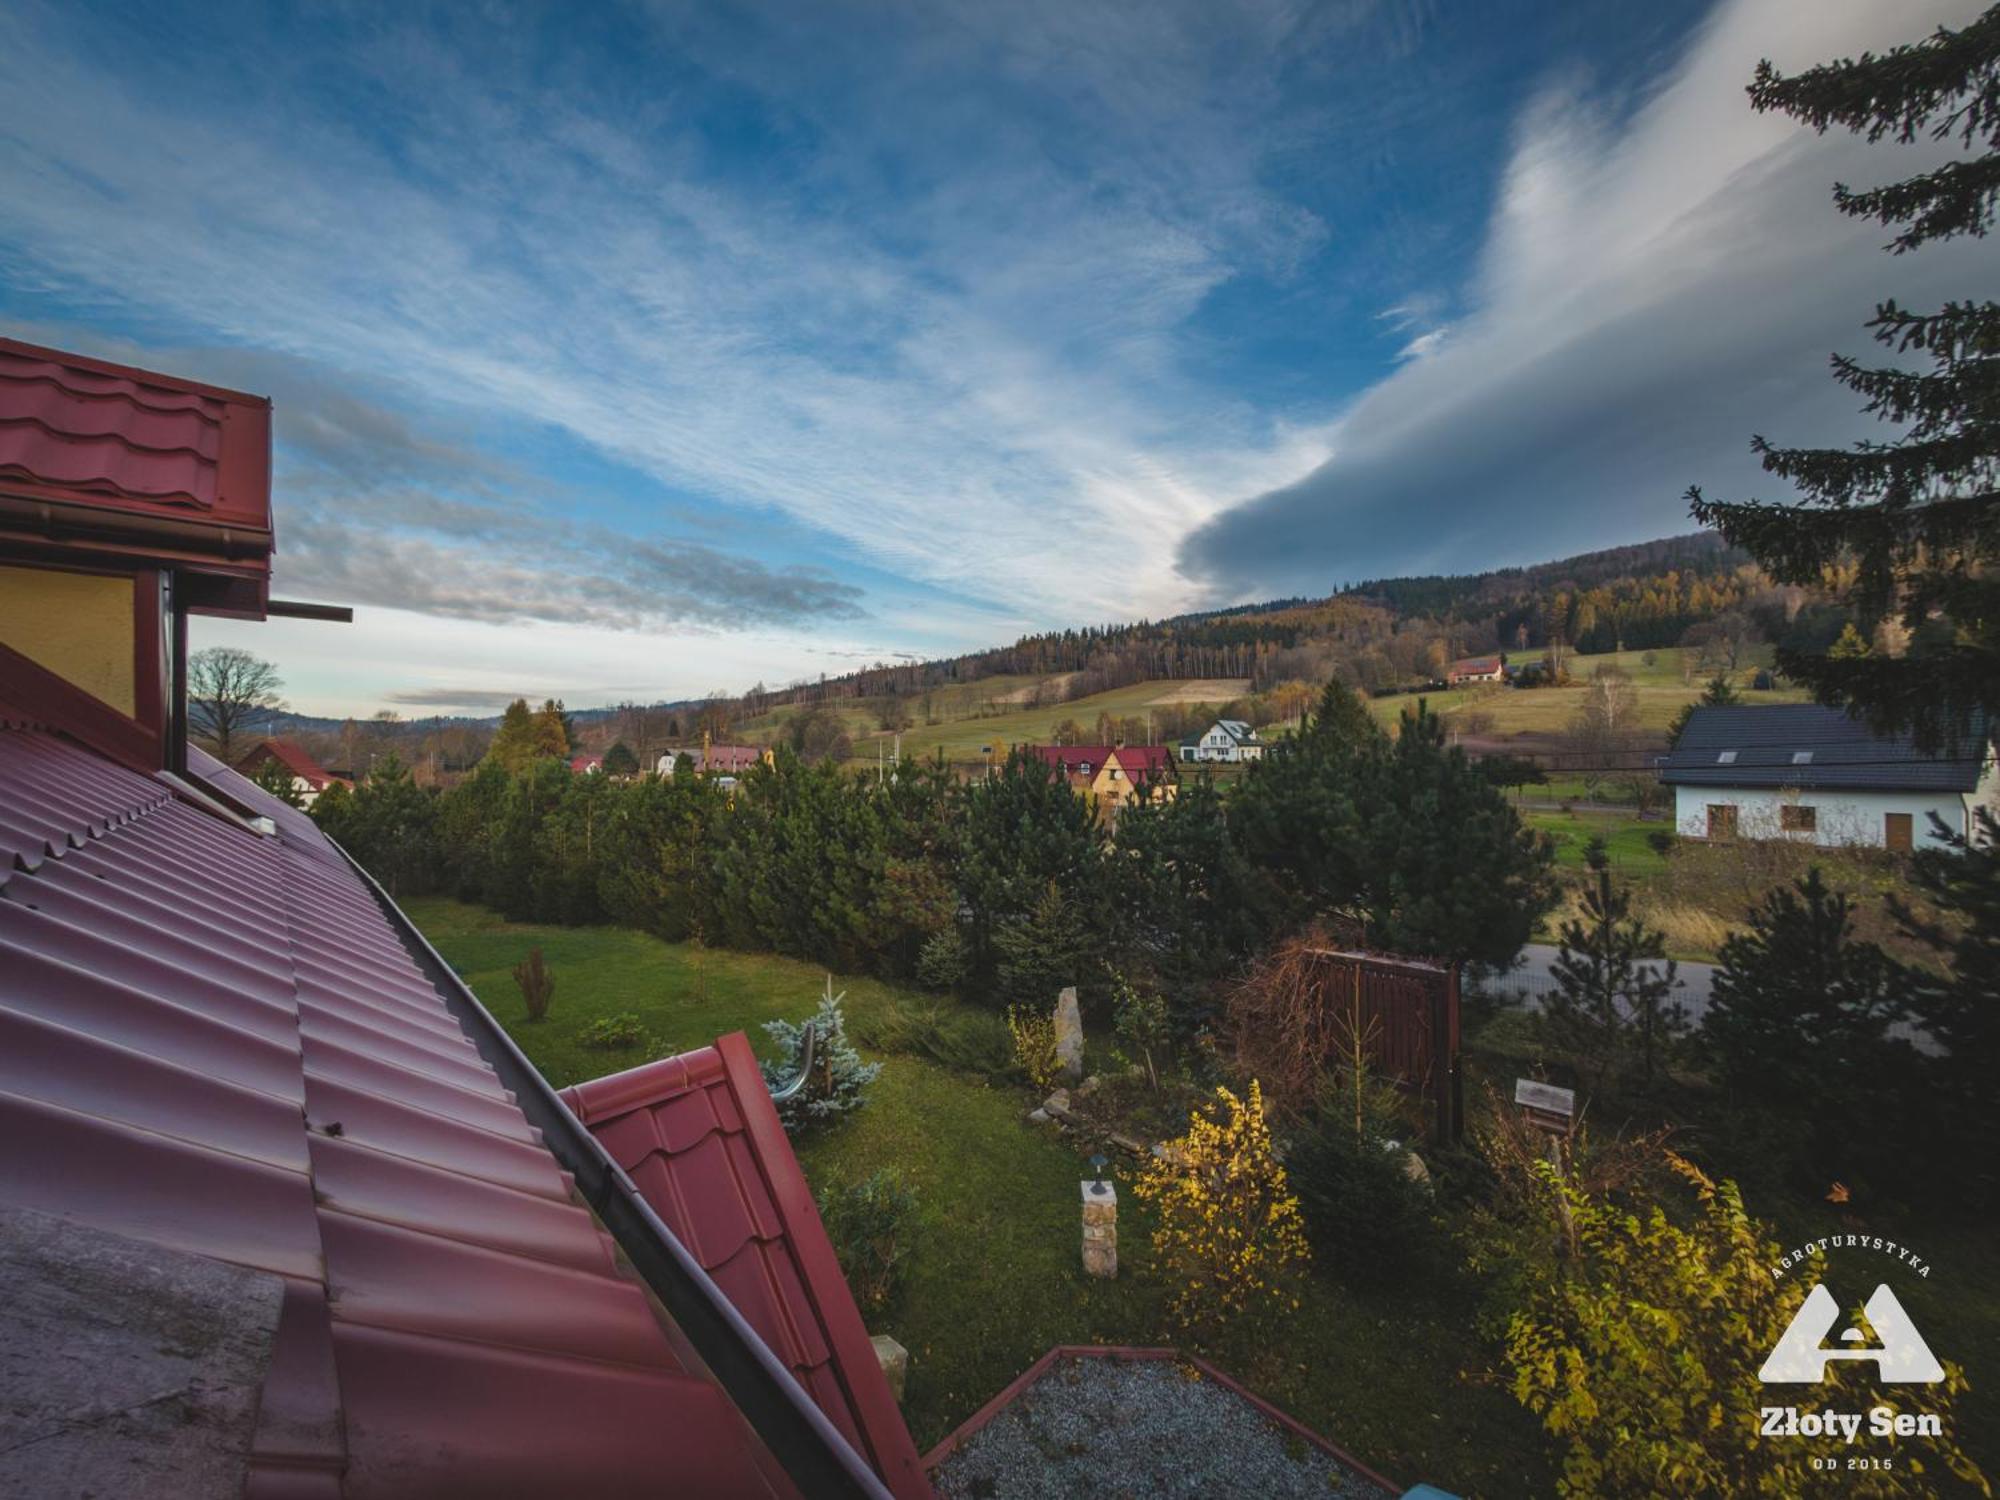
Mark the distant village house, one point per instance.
(1811, 774)
(1113, 775)
(1227, 740)
(309, 777)
(725, 760)
(1475, 669)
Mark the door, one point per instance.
(1896, 831)
(1722, 820)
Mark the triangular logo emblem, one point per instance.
(1902, 1356)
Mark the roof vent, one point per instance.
(1802, 757)
(1725, 757)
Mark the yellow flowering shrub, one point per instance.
(1230, 1237)
(1035, 1046)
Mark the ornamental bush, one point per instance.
(1229, 1240)
(1034, 1037)
(616, 1033)
(840, 1077)
(873, 1226)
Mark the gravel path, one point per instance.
(1104, 1427)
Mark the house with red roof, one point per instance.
(281, 1205)
(309, 777)
(1112, 775)
(1474, 669)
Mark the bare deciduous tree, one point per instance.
(230, 691)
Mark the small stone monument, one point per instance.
(1100, 1226)
(1069, 1035)
(895, 1362)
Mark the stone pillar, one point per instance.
(1100, 1229)
(895, 1362)
(1069, 1035)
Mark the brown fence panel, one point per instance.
(1409, 1011)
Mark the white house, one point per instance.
(1800, 771)
(1226, 740)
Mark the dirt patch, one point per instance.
(1205, 690)
(1051, 689)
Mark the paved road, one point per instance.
(1531, 974)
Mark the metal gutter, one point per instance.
(809, 1447)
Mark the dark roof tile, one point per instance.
(1765, 741)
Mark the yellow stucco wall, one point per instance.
(78, 625)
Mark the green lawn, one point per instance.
(1623, 834)
(1399, 1380)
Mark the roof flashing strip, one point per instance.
(799, 1435)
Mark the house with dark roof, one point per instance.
(309, 777)
(1801, 771)
(1226, 740)
(282, 1208)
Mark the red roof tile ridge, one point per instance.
(883, 1429)
(67, 362)
(647, 1084)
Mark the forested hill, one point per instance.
(1640, 596)
(1528, 591)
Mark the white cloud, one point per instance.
(1651, 292)
(978, 388)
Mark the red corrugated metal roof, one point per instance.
(84, 432)
(699, 1136)
(214, 1041)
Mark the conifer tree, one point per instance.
(620, 761)
(1916, 515)
(1798, 1026)
(1612, 1008)
(1718, 694)
(1960, 1009)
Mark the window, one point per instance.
(1725, 757)
(1795, 819)
(1802, 757)
(1722, 820)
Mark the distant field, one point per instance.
(963, 718)
(1661, 687)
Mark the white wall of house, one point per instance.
(308, 794)
(1839, 817)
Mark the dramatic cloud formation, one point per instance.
(1650, 294)
(680, 346)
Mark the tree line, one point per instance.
(1004, 888)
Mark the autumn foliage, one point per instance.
(1230, 1239)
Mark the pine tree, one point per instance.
(1022, 831)
(1797, 1028)
(1612, 1006)
(620, 761)
(1960, 1009)
(1718, 694)
(513, 746)
(275, 777)
(1917, 514)
(1447, 869)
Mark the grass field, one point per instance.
(1660, 685)
(972, 718)
(996, 1279)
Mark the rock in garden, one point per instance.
(1069, 1034)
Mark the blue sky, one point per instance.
(678, 347)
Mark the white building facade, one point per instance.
(1227, 740)
(1812, 775)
